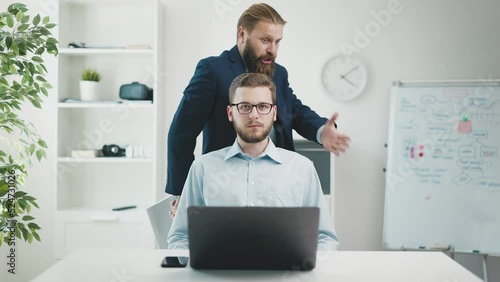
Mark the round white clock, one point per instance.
(344, 77)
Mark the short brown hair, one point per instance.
(252, 80)
(259, 12)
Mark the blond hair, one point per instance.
(259, 12)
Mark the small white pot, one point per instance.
(89, 90)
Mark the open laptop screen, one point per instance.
(253, 237)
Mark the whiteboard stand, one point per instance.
(484, 259)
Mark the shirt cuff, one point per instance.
(318, 134)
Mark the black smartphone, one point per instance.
(174, 262)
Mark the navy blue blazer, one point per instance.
(203, 107)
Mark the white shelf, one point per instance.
(104, 51)
(117, 3)
(84, 105)
(88, 188)
(105, 160)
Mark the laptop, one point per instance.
(253, 237)
(160, 220)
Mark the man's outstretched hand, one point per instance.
(333, 140)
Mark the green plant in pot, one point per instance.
(89, 85)
(23, 41)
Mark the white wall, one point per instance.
(426, 40)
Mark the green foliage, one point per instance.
(91, 75)
(23, 42)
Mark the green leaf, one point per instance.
(37, 237)
(35, 204)
(46, 20)
(15, 49)
(25, 233)
(40, 51)
(25, 80)
(40, 154)
(25, 19)
(28, 218)
(44, 31)
(19, 16)
(23, 27)
(37, 59)
(32, 149)
(4, 189)
(52, 40)
(22, 203)
(40, 78)
(44, 91)
(8, 42)
(29, 198)
(50, 25)
(10, 21)
(20, 194)
(42, 143)
(18, 233)
(30, 238)
(36, 19)
(33, 226)
(36, 104)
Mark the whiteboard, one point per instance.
(443, 166)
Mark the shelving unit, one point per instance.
(88, 188)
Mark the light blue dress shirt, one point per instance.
(229, 177)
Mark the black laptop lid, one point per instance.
(253, 237)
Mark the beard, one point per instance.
(255, 64)
(252, 138)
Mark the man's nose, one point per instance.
(272, 48)
(253, 113)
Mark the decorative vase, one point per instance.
(89, 90)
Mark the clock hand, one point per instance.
(347, 80)
(349, 71)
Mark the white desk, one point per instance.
(144, 265)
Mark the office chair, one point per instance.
(161, 221)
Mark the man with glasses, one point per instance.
(253, 171)
(259, 33)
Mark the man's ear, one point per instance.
(241, 34)
(275, 112)
(229, 111)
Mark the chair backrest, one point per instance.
(160, 220)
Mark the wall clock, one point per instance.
(344, 77)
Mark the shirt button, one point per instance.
(253, 163)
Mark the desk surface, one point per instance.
(144, 265)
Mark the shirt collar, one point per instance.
(271, 151)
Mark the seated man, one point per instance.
(252, 172)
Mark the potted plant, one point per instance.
(89, 85)
(23, 41)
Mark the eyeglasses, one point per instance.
(246, 108)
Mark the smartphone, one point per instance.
(174, 262)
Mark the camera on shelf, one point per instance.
(113, 151)
(131, 151)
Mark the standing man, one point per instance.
(259, 33)
(255, 172)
